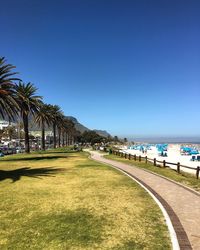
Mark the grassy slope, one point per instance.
(183, 178)
(60, 200)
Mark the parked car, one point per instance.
(1, 154)
(7, 151)
(20, 150)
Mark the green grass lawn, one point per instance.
(63, 200)
(183, 178)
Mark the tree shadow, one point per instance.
(77, 228)
(35, 158)
(55, 152)
(15, 175)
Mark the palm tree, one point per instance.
(64, 127)
(60, 126)
(1, 134)
(70, 129)
(8, 105)
(56, 116)
(63, 133)
(28, 104)
(43, 118)
(64, 130)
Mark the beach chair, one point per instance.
(193, 158)
(198, 157)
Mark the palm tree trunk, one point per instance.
(66, 138)
(72, 139)
(10, 136)
(59, 137)
(25, 123)
(63, 138)
(43, 136)
(54, 135)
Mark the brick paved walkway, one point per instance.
(182, 205)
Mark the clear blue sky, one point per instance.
(130, 67)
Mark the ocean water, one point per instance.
(182, 140)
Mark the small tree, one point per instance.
(116, 139)
(10, 132)
(125, 140)
(91, 137)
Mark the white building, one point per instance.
(4, 124)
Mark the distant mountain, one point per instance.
(82, 128)
(78, 125)
(102, 132)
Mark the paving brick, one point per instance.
(182, 205)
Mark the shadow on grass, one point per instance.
(56, 152)
(35, 158)
(78, 228)
(15, 175)
(50, 152)
(94, 165)
(130, 245)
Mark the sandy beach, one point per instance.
(173, 155)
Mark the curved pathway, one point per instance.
(181, 204)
